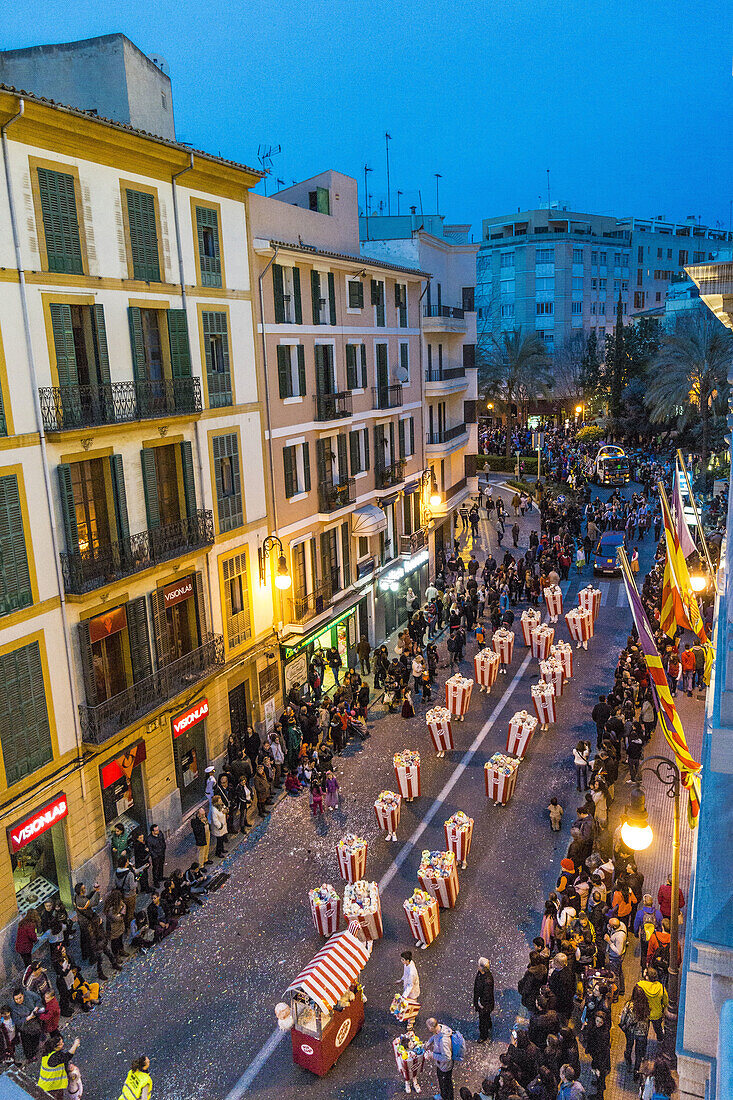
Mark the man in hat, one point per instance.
(210, 786)
(483, 998)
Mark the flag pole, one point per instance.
(697, 516)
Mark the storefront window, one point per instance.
(189, 752)
(38, 856)
(123, 791)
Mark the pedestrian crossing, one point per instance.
(613, 594)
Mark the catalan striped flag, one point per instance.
(686, 607)
(686, 541)
(669, 719)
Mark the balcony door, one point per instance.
(382, 372)
(90, 505)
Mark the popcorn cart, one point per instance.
(543, 697)
(458, 835)
(407, 771)
(521, 729)
(503, 643)
(439, 727)
(563, 652)
(325, 909)
(553, 602)
(580, 624)
(542, 638)
(589, 598)
(458, 695)
(530, 619)
(326, 1003)
(387, 809)
(486, 668)
(500, 776)
(438, 875)
(352, 854)
(362, 907)
(423, 916)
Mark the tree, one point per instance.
(570, 371)
(629, 350)
(513, 367)
(688, 378)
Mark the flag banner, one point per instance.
(686, 541)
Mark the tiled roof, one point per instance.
(365, 261)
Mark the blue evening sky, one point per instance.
(629, 104)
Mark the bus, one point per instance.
(612, 466)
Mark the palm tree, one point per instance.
(514, 366)
(688, 378)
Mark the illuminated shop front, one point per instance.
(38, 855)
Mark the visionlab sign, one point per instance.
(43, 819)
(190, 717)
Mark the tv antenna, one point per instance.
(265, 153)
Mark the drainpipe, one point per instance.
(42, 438)
(267, 387)
(184, 304)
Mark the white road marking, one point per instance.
(621, 600)
(266, 1052)
(604, 587)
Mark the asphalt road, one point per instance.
(201, 1003)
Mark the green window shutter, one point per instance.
(366, 448)
(289, 471)
(391, 441)
(63, 342)
(321, 378)
(160, 628)
(306, 468)
(189, 485)
(397, 296)
(100, 340)
(354, 452)
(375, 292)
(296, 296)
(179, 345)
(412, 435)
(150, 487)
(284, 376)
(316, 296)
(332, 297)
(401, 434)
(323, 200)
(135, 320)
(143, 236)
(200, 605)
(139, 639)
(346, 553)
(60, 222)
(216, 348)
(379, 446)
(324, 466)
(15, 583)
(120, 497)
(351, 379)
(25, 732)
(363, 367)
(228, 501)
(356, 294)
(301, 371)
(207, 227)
(343, 470)
(68, 510)
(86, 659)
(278, 294)
(405, 359)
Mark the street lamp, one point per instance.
(699, 582)
(283, 579)
(637, 834)
(428, 481)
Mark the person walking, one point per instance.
(54, 1074)
(483, 998)
(364, 650)
(634, 1022)
(616, 938)
(569, 1088)
(410, 979)
(597, 1039)
(581, 755)
(440, 1047)
(156, 847)
(657, 997)
(138, 1083)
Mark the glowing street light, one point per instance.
(283, 579)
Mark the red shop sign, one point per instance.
(177, 592)
(190, 717)
(37, 823)
(122, 765)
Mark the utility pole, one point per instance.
(548, 194)
(398, 202)
(366, 200)
(438, 178)
(387, 139)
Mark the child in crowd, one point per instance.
(555, 811)
(293, 784)
(316, 798)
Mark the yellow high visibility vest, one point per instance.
(52, 1078)
(134, 1084)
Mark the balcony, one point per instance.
(390, 475)
(410, 544)
(445, 380)
(303, 608)
(446, 435)
(333, 406)
(97, 566)
(444, 319)
(338, 495)
(387, 397)
(66, 407)
(100, 723)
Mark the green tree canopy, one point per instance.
(513, 367)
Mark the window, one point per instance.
(269, 682)
(593, 308)
(507, 311)
(624, 284)
(639, 277)
(698, 257)
(236, 600)
(291, 370)
(617, 259)
(507, 259)
(640, 254)
(577, 255)
(626, 258)
(545, 285)
(356, 294)
(659, 253)
(576, 307)
(506, 288)
(207, 230)
(60, 222)
(323, 297)
(684, 257)
(638, 299)
(603, 256)
(400, 301)
(405, 361)
(545, 256)
(377, 298)
(594, 257)
(356, 367)
(320, 200)
(228, 481)
(616, 285)
(143, 232)
(406, 437)
(468, 296)
(669, 253)
(359, 451)
(286, 294)
(594, 284)
(216, 350)
(545, 308)
(25, 734)
(602, 284)
(168, 483)
(15, 583)
(297, 470)
(577, 282)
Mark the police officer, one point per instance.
(138, 1083)
(54, 1074)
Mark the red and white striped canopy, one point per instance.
(330, 973)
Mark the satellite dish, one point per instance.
(401, 374)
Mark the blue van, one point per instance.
(605, 559)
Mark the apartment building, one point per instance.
(557, 271)
(448, 320)
(343, 384)
(134, 634)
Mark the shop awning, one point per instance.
(411, 488)
(332, 971)
(368, 520)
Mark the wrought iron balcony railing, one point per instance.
(67, 407)
(444, 374)
(443, 311)
(387, 397)
(338, 495)
(446, 435)
(333, 406)
(305, 607)
(410, 544)
(96, 566)
(390, 475)
(100, 723)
